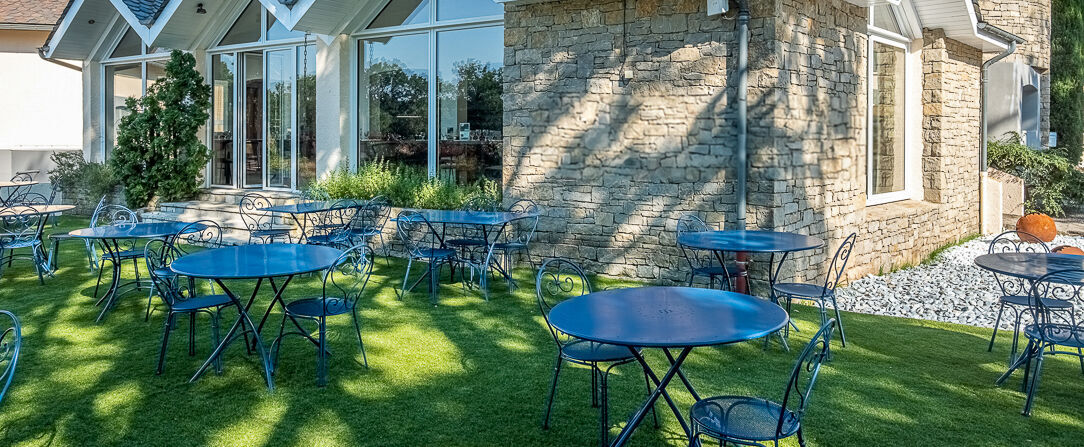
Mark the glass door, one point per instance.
(253, 120)
(280, 119)
(224, 96)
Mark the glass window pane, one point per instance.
(155, 70)
(253, 118)
(223, 68)
(130, 45)
(306, 115)
(280, 74)
(393, 100)
(402, 12)
(247, 27)
(470, 110)
(121, 81)
(885, 18)
(276, 31)
(462, 9)
(889, 92)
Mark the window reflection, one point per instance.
(223, 69)
(888, 150)
(306, 115)
(402, 12)
(461, 9)
(122, 81)
(394, 95)
(470, 110)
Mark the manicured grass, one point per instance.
(472, 372)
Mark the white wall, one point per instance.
(40, 104)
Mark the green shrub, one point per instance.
(80, 181)
(404, 186)
(158, 150)
(1051, 181)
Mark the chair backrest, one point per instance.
(691, 223)
(839, 262)
(522, 231)
(21, 224)
(371, 216)
(1060, 286)
(558, 279)
(250, 206)
(202, 233)
(11, 341)
(347, 278)
(804, 375)
(340, 215)
(1014, 241)
(33, 199)
(23, 176)
(158, 254)
(415, 232)
(112, 215)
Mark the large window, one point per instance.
(129, 70)
(889, 162)
(429, 87)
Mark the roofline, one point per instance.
(999, 33)
(27, 26)
(46, 51)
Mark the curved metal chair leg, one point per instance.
(604, 411)
(277, 344)
(406, 276)
(801, 438)
(1034, 387)
(99, 283)
(839, 322)
(997, 323)
(553, 393)
(165, 343)
(361, 344)
(215, 340)
(321, 355)
(192, 334)
(1015, 335)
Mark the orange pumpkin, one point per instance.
(1067, 250)
(1039, 225)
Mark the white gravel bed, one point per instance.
(951, 289)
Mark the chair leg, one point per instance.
(406, 276)
(839, 322)
(192, 334)
(37, 264)
(1015, 335)
(690, 283)
(321, 355)
(99, 283)
(997, 323)
(150, 298)
(1034, 387)
(604, 411)
(553, 393)
(801, 438)
(215, 340)
(165, 342)
(277, 344)
(361, 344)
(654, 415)
(594, 387)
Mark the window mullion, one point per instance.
(432, 100)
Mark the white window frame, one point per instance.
(142, 58)
(912, 182)
(431, 29)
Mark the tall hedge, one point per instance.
(1067, 76)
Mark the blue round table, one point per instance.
(257, 262)
(1029, 266)
(109, 237)
(666, 317)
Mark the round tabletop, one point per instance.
(256, 261)
(667, 317)
(752, 241)
(141, 230)
(36, 209)
(1030, 266)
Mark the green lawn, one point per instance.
(472, 372)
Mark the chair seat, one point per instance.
(365, 232)
(316, 307)
(802, 290)
(164, 273)
(466, 242)
(589, 351)
(60, 236)
(434, 253)
(732, 270)
(328, 239)
(1059, 334)
(201, 302)
(20, 244)
(509, 246)
(745, 418)
(269, 232)
(125, 254)
(1024, 301)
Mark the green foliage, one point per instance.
(405, 186)
(1067, 76)
(1051, 181)
(158, 151)
(80, 181)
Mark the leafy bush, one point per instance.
(81, 181)
(1052, 182)
(158, 150)
(405, 186)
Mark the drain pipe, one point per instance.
(1013, 40)
(740, 189)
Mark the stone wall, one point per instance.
(618, 121)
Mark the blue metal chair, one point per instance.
(517, 237)
(745, 420)
(420, 240)
(196, 235)
(21, 229)
(1014, 291)
(260, 224)
(559, 279)
(181, 298)
(333, 227)
(1051, 328)
(344, 284)
(126, 251)
(368, 222)
(11, 341)
(702, 263)
(821, 294)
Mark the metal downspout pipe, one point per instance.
(742, 155)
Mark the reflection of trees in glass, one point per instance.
(474, 90)
(278, 132)
(398, 114)
(306, 128)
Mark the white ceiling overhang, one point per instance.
(324, 17)
(959, 21)
(81, 28)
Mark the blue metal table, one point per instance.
(666, 317)
(492, 224)
(109, 237)
(10, 191)
(259, 262)
(1028, 266)
(753, 241)
(299, 211)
